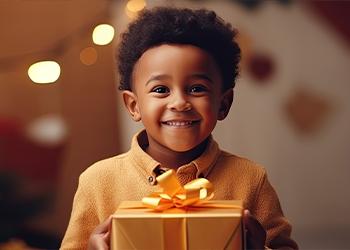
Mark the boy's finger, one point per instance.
(256, 232)
(252, 224)
(104, 226)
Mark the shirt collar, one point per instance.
(148, 167)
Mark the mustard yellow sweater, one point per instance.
(131, 176)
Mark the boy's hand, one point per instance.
(256, 235)
(99, 238)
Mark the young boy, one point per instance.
(178, 69)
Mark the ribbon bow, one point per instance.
(173, 194)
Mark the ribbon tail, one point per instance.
(174, 233)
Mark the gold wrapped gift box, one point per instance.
(214, 225)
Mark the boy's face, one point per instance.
(177, 95)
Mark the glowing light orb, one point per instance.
(103, 34)
(44, 72)
(134, 6)
(88, 56)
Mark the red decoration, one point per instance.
(23, 157)
(335, 12)
(260, 66)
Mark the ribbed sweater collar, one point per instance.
(147, 166)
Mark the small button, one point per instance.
(160, 171)
(150, 179)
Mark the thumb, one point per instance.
(256, 234)
(104, 226)
(252, 224)
(248, 220)
(99, 238)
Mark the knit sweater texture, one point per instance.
(132, 176)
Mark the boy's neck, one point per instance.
(172, 159)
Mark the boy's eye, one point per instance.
(196, 89)
(161, 90)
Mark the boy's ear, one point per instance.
(130, 102)
(225, 105)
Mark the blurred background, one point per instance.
(291, 112)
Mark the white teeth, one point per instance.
(178, 123)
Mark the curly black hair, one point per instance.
(171, 25)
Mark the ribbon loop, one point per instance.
(169, 182)
(173, 194)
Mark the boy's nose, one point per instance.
(179, 102)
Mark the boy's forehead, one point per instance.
(168, 48)
(172, 57)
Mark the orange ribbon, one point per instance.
(173, 194)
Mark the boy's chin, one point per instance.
(181, 147)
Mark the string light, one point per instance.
(44, 72)
(59, 49)
(103, 34)
(134, 6)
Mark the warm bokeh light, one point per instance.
(134, 6)
(44, 72)
(48, 130)
(103, 34)
(88, 56)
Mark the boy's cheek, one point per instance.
(211, 113)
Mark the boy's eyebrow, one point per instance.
(158, 77)
(167, 77)
(203, 76)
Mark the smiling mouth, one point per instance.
(178, 123)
